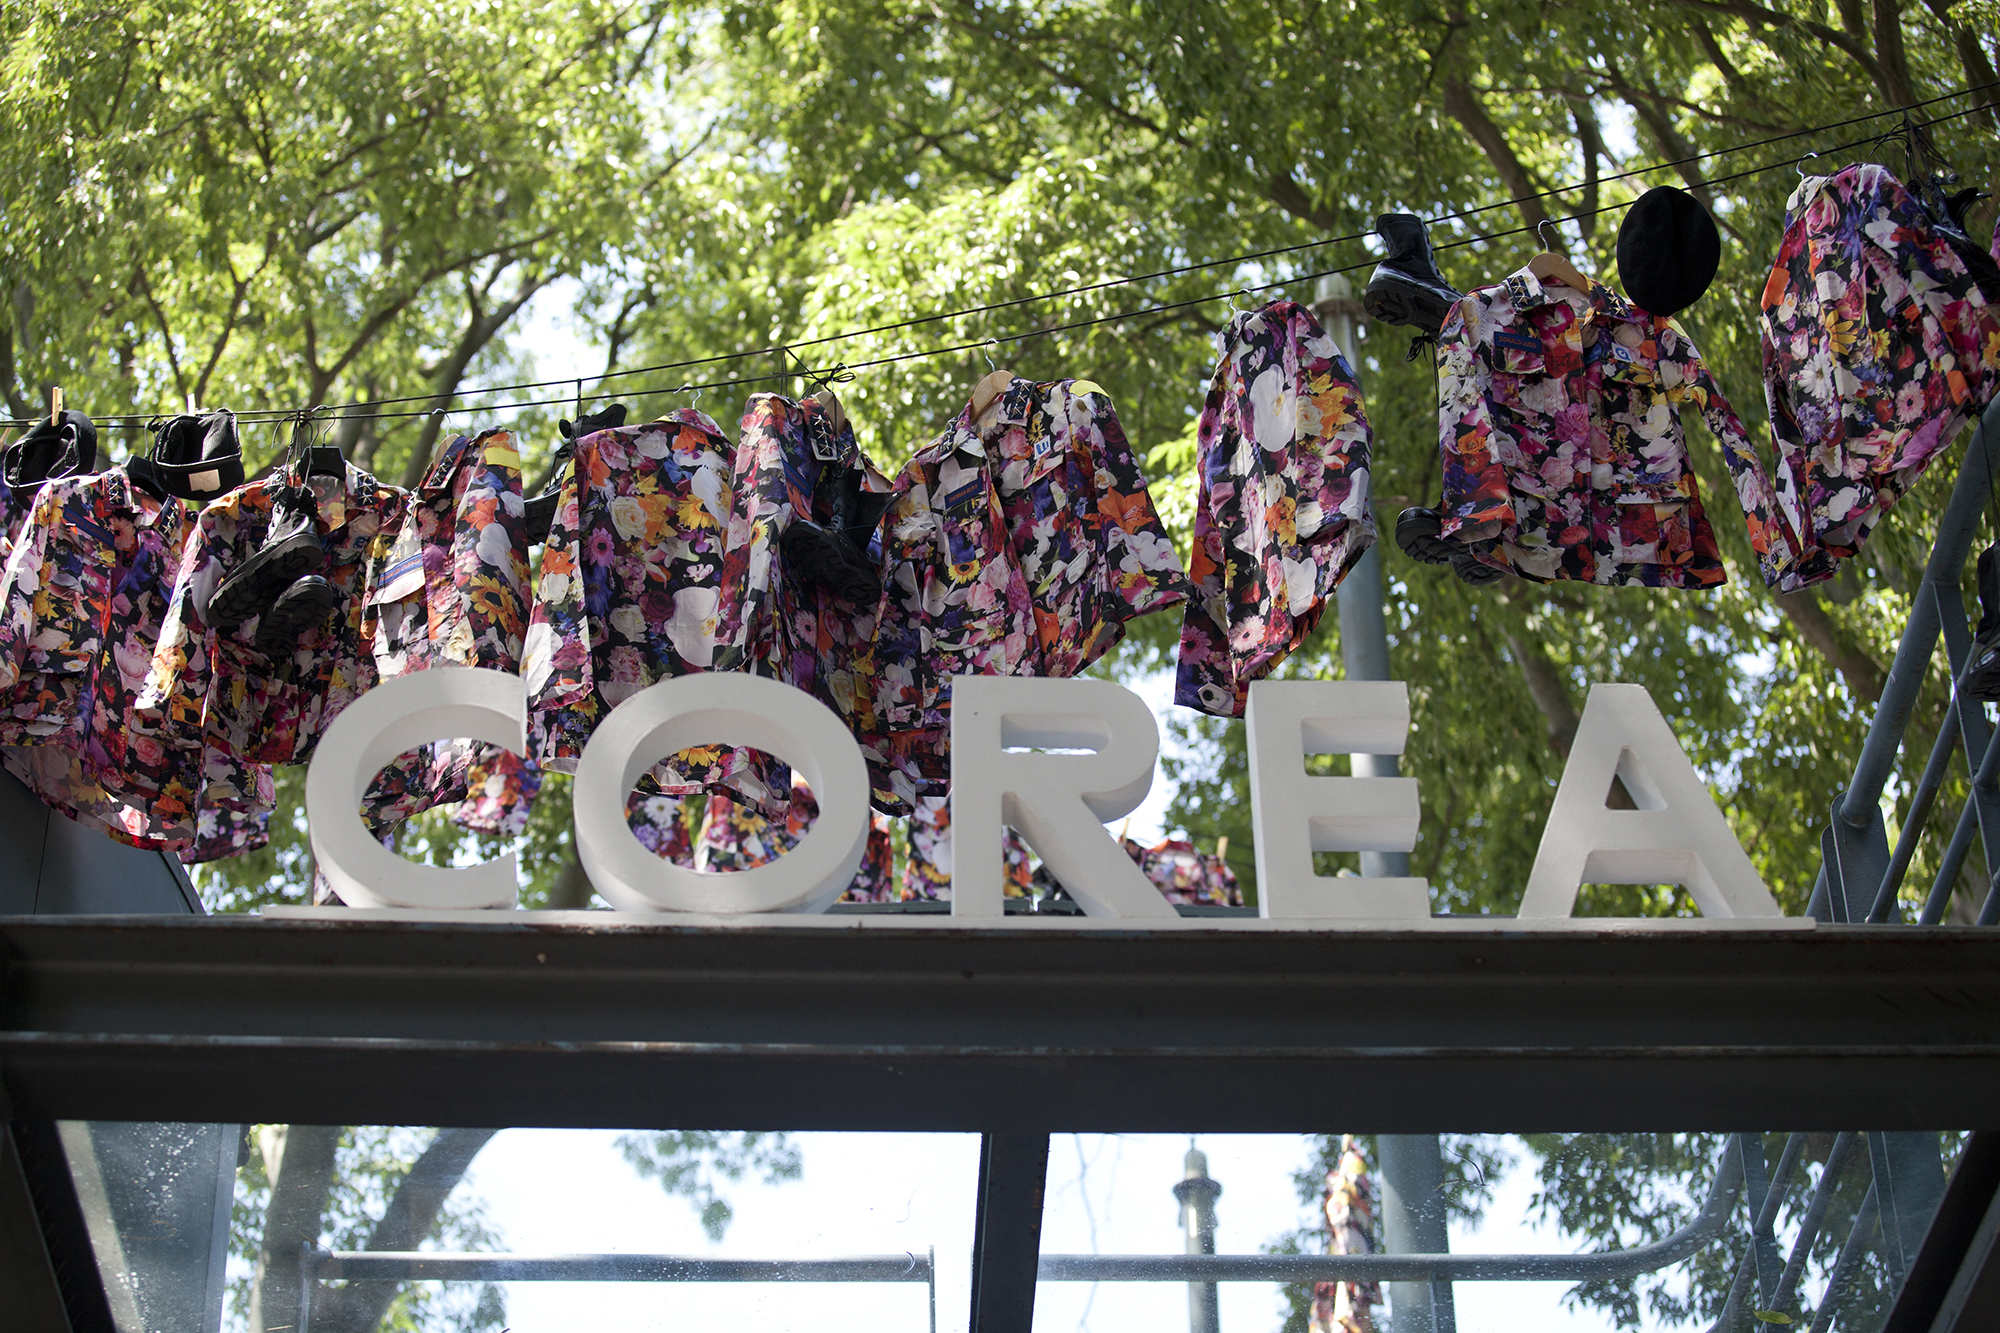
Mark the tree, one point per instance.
(354, 202)
(380, 1187)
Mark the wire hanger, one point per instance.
(1551, 264)
(991, 385)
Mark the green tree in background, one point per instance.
(268, 205)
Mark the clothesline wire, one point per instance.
(783, 349)
(1161, 308)
(344, 412)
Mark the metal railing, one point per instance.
(1860, 881)
(317, 1266)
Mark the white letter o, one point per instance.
(734, 709)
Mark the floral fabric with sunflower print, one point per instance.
(927, 872)
(81, 610)
(1879, 346)
(216, 688)
(1562, 446)
(449, 586)
(1282, 511)
(737, 837)
(629, 593)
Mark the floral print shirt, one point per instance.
(927, 872)
(1878, 347)
(81, 611)
(1282, 511)
(630, 592)
(1184, 874)
(448, 585)
(205, 684)
(1562, 446)
(737, 837)
(1017, 545)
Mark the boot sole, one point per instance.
(1394, 299)
(252, 589)
(1417, 533)
(292, 615)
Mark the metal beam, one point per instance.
(1952, 1268)
(437, 1266)
(372, 1021)
(29, 1291)
(1007, 1234)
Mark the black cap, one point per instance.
(199, 457)
(1668, 251)
(66, 448)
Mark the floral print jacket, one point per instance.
(449, 586)
(1282, 511)
(204, 684)
(1562, 445)
(630, 593)
(1017, 545)
(81, 612)
(1878, 347)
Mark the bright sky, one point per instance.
(565, 1191)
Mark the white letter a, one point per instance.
(1676, 836)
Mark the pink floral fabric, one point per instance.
(1184, 874)
(736, 837)
(927, 871)
(214, 687)
(449, 586)
(1562, 446)
(1879, 346)
(1349, 1205)
(82, 606)
(1282, 512)
(630, 592)
(1017, 545)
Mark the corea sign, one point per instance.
(1057, 759)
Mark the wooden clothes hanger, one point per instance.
(1551, 266)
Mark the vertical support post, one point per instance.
(1007, 1235)
(1197, 1195)
(1909, 1182)
(1412, 1166)
(1413, 1222)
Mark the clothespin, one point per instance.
(55, 404)
(1222, 848)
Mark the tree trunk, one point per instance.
(1462, 102)
(479, 331)
(1551, 695)
(358, 1307)
(301, 1174)
(572, 888)
(1863, 674)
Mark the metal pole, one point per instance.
(1197, 1195)
(1412, 1168)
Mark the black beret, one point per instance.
(67, 448)
(1668, 251)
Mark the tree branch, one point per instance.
(1863, 674)
(412, 1214)
(301, 1177)
(1462, 103)
(480, 329)
(1757, 14)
